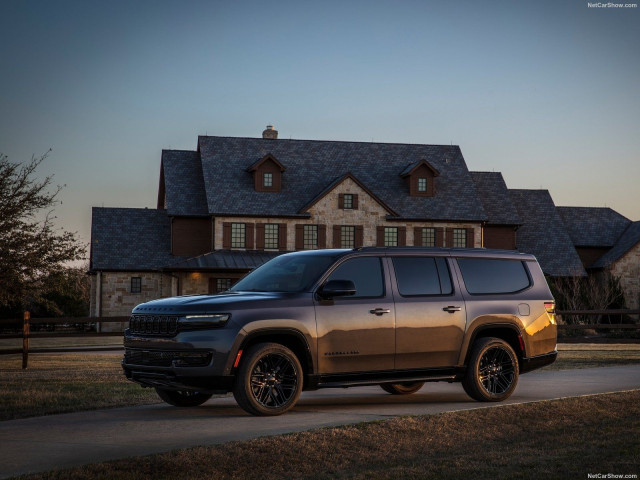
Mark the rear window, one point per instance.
(490, 275)
(422, 276)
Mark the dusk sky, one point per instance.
(546, 92)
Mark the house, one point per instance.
(234, 203)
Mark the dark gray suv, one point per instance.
(397, 317)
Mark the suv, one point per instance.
(397, 317)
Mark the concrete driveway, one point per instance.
(43, 443)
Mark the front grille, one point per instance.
(163, 325)
(154, 358)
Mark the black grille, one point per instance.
(153, 358)
(164, 325)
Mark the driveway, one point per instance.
(43, 443)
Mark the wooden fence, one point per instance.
(82, 322)
(73, 327)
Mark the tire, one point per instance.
(269, 380)
(183, 398)
(492, 372)
(404, 388)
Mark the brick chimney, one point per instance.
(270, 133)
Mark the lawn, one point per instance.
(569, 438)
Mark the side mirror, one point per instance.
(338, 288)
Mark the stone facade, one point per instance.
(627, 269)
(115, 298)
(370, 214)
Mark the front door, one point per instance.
(356, 333)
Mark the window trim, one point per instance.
(277, 238)
(397, 232)
(428, 295)
(244, 241)
(310, 227)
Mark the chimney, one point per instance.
(270, 133)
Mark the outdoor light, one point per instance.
(203, 321)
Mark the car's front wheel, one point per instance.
(404, 388)
(183, 398)
(269, 380)
(492, 372)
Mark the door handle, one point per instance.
(452, 309)
(380, 311)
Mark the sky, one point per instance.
(546, 92)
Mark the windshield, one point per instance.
(287, 273)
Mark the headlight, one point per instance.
(204, 321)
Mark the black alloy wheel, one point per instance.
(404, 388)
(269, 380)
(183, 398)
(492, 372)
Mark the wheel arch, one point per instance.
(504, 331)
(294, 340)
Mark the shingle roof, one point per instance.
(226, 259)
(495, 198)
(543, 234)
(184, 184)
(130, 239)
(593, 227)
(629, 239)
(310, 164)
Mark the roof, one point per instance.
(130, 239)
(230, 259)
(543, 234)
(311, 164)
(413, 167)
(593, 227)
(184, 184)
(629, 239)
(495, 198)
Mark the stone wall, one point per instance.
(117, 299)
(627, 269)
(370, 214)
(195, 283)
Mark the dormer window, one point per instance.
(420, 178)
(267, 174)
(267, 180)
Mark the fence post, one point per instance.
(26, 331)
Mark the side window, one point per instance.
(422, 276)
(365, 273)
(492, 275)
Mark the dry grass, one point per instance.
(65, 383)
(602, 357)
(558, 439)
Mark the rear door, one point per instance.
(430, 312)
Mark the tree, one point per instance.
(32, 250)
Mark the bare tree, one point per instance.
(31, 249)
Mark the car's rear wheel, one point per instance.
(183, 398)
(492, 372)
(269, 380)
(404, 388)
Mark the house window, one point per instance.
(390, 236)
(428, 237)
(348, 201)
(271, 237)
(459, 238)
(347, 237)
(267, 180)
(238, 235)
(222, 284)
(310, 237)
(136, 284)
(422, 184)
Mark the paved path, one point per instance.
(43, 443)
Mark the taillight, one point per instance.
(550, 307)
